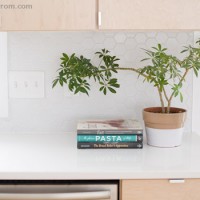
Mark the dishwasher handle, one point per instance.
(95, 195)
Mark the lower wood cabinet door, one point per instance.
(189, 189)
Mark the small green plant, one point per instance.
(164, 71)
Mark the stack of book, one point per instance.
(109, 134)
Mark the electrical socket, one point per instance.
(26, 84)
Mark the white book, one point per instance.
(109, 126)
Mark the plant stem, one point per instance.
(161, 100)
(159, 92)
(131, 69)
(165, 94)
(125, 69)
(181, 80)
(100, 63)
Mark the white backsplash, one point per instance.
(56, 112)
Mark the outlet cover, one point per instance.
(26, 84)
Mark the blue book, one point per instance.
(109, 138)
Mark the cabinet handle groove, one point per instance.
(177, 181)
(99, 18)
(0, 21)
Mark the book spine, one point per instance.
(109, 138)
(139, 132)
(128, 145)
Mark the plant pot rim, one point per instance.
(153, 118)
(178, 110)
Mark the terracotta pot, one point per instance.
(164, 129)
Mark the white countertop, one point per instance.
(55, 156)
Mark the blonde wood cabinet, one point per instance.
(150, 15)
(47, 15)
(160, 190)
(61, 15)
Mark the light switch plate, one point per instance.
(26, 84)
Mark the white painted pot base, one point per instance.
(164, 137)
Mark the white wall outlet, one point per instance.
(26, 84)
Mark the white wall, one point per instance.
(3, 76)
(42, 50)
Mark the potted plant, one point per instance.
(164, 124)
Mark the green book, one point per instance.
(108, 138)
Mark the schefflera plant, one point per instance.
(164, 71)
(77, 71)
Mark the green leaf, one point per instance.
(145, 59)
(196, 72)
(184, 51)
(101, 88)
(112, 90)
(176, 93)
(159, 47)
(61, 82)
(55, 83)
(116, 85)
(83, 90)
(181, 97)
(77, 90)
(105, 91)
(71, 87)
(79, 79)
(64, 80)
(101, 83)
(66, 56)
(115, 71)
(113, 80)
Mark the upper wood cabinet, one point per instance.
(150, 14)
(66, 15)
(47, 15)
